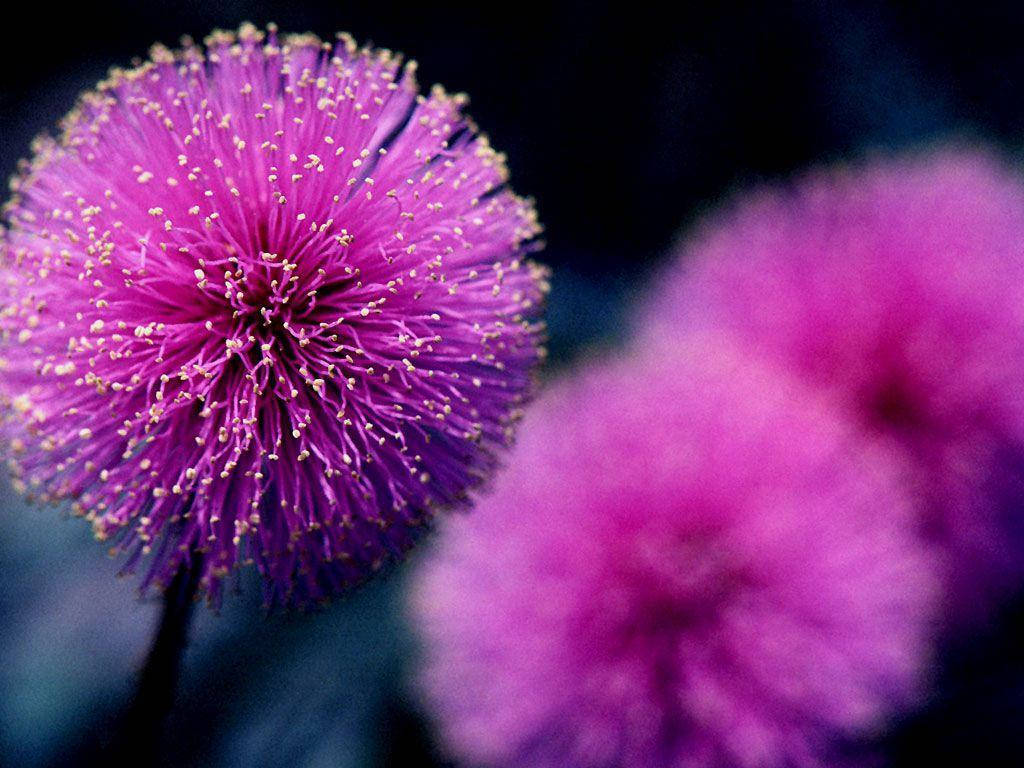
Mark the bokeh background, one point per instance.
(625, 122)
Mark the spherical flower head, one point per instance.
(683, 566)
(265, 302)
(896, 288)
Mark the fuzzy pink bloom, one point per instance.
(265, 302)
(898, 289)
(686, 565)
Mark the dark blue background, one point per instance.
(625, 123)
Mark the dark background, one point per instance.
(624, 122)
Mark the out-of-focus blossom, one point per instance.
(897, 288)
(688, 563)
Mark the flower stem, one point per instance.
(142, 730)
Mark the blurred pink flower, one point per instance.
(688, 563)
(898, 289)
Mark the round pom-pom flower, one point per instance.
(896, 288)
(686, 564)
(265, 302)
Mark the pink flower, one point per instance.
(896, 288)
(265, 302)
(686, 564)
